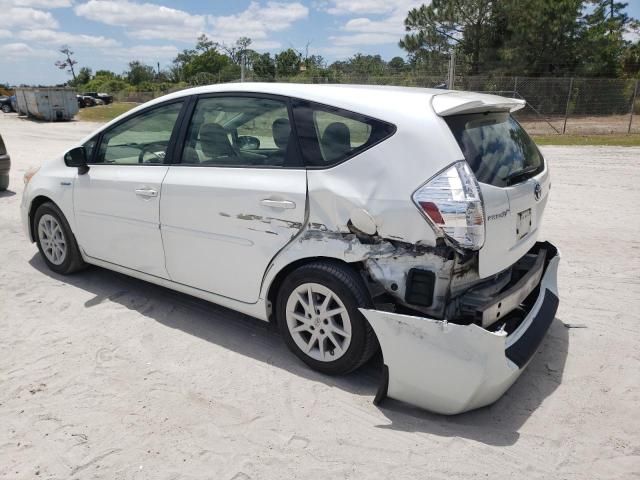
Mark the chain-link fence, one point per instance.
(554, 105)
(568, 105)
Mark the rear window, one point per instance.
(330, 135)
(496, 147)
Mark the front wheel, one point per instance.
(6, 109)
(317, 313)
(55, 240)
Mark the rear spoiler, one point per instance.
(454, 103)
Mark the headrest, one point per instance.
(281, 129)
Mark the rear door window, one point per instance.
(242, 131)
(496, 147)
(330, 135)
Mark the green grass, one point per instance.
(104, 113)
(632, 140)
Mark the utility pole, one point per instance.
(242, 55)
(452, 69)
(633, 105)
(566, 110)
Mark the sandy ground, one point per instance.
(103, 376)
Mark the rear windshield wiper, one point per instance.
(520, 174)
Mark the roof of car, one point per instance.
(389, 103)
(368, 99)
(308, 89)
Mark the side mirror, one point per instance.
(246, 142)
(77, 157)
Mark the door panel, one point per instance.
(116, 223)
(222, 226)
(223, 215)
(117, 202)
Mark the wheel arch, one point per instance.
(274, 286)
(35, 204)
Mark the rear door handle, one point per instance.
(146, 192)
(288, 204)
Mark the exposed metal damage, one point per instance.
(387, 262)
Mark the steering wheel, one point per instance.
(147, 149)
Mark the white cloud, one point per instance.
(22, 51)
(74, 40)
(383, 30)
(30, 18)
(257, 21)
(12, 49)
(358, 7)
(144, 20)
(632, 35)
(42, 4)
(4, 33)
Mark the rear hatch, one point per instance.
(510, 169)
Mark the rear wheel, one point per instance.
(317, 313)
(55, 240)
(4, 182)
(6, 108)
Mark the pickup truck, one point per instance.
(105, 97)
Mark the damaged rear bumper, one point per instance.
(449, 368)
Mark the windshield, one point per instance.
(496, 147)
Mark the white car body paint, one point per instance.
(502, 206)
(220, 220)
(117, 215)
(53, 180)
(199, 212)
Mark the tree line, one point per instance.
(526, 37)
(487, 37)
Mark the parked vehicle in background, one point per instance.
(51, 104)
(354, 217)
(7, 104)
(105, 97)
(5, 166)
(85, 101)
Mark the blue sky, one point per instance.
(109, 33)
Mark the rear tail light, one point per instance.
(451, 201)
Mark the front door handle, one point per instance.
(288, 204)
(146, 192)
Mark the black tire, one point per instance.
(4, 182)
(6, 108)
(73, 259)
(347, 284)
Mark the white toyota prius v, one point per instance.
(357, 218)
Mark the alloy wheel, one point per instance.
(52, 241)
(318, 322)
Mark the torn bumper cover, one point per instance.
(449, 368)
